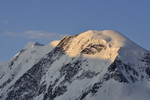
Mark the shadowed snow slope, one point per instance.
(94, 65)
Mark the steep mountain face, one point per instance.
(94, 65)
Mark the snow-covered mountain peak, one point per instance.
(114, 38)
(32, 44)
(92, 65)
(106, 40)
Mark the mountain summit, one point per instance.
(94, 65)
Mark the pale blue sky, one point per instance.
(22, 21)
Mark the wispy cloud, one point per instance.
(40, 34)
(33, 34)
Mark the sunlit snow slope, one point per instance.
(94, 65)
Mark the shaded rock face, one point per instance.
(93, 49)
(27, 86)
(67, 71)
(113, 72)
(146, 59)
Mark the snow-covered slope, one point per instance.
(94, 65)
